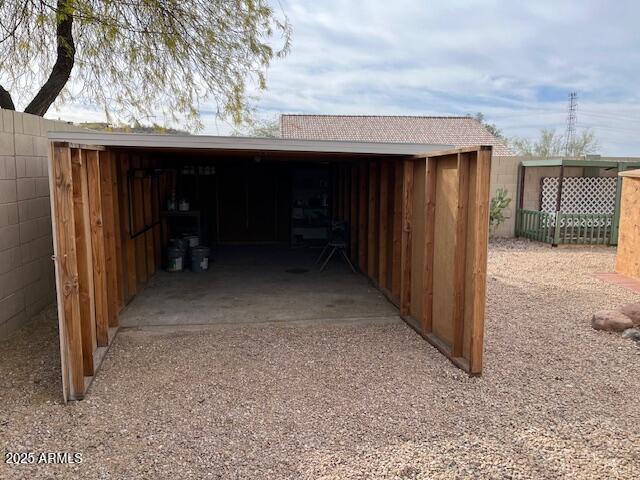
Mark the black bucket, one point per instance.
(200, 259)
(175, 258)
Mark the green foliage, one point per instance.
(551, 144)
(136, 128)
(145, 60)
(260, 128)
(498, 204)
(491, 127)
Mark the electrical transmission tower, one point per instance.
(570, 134)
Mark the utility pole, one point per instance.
(569, 138)
(570, 134)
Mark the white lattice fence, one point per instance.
(595, 195)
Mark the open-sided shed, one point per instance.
(417, 217)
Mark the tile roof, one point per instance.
(457, 131)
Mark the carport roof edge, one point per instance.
(203, 142)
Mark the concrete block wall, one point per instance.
(27, 282)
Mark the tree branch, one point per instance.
(6, 102)
(61, 70)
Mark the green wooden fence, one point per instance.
(570, 228)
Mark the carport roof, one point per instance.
(145, 140)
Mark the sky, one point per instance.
(514, 61)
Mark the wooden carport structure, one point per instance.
(418, 216)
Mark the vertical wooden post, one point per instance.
(94, 183)
(396, 247)
(129, 243)
(353, 217)
(138, 221)
(362, 218)
(113, 159)
(346, 200)
(155, 218)
(407, 221)
(429, 236)
(148, 220)
(335, 192)
(372, 243)
(481, 239)
(384, 224)
(85, 259)
(109, 236)
(460, 248)
(68, 270)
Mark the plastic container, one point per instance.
(200, 259)
(175, 258)
(192, 240)
(180, 243)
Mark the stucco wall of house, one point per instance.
(26, 270)
(504, 174)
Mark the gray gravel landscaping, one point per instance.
(354, 400)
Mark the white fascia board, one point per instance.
(144, 140)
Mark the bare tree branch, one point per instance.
(61, 70)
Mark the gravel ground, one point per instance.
(557, 400)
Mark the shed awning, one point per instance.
(577, 162)
(203, 142)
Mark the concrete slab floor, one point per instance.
(247, 284)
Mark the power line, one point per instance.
(609, 117)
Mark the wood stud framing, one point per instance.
(391, 234)
(429, 226)
(105, 205)
(94, 254)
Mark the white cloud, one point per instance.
(514, 61)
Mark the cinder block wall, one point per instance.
(27, 282)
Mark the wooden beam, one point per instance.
(155, 217)
(82, 221)
(148, 220)
(429, 226)
(362, 218)
(67, 268)
(109, 236)
(353, 216)
(407, 220)
(372, 231)
(481, 239)
(335, 192)
(346, 200)
(129, 243)
(138, 222)
(396, 247)
(383, 225)
(94, 184)
(459, 260)
(117, 236)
